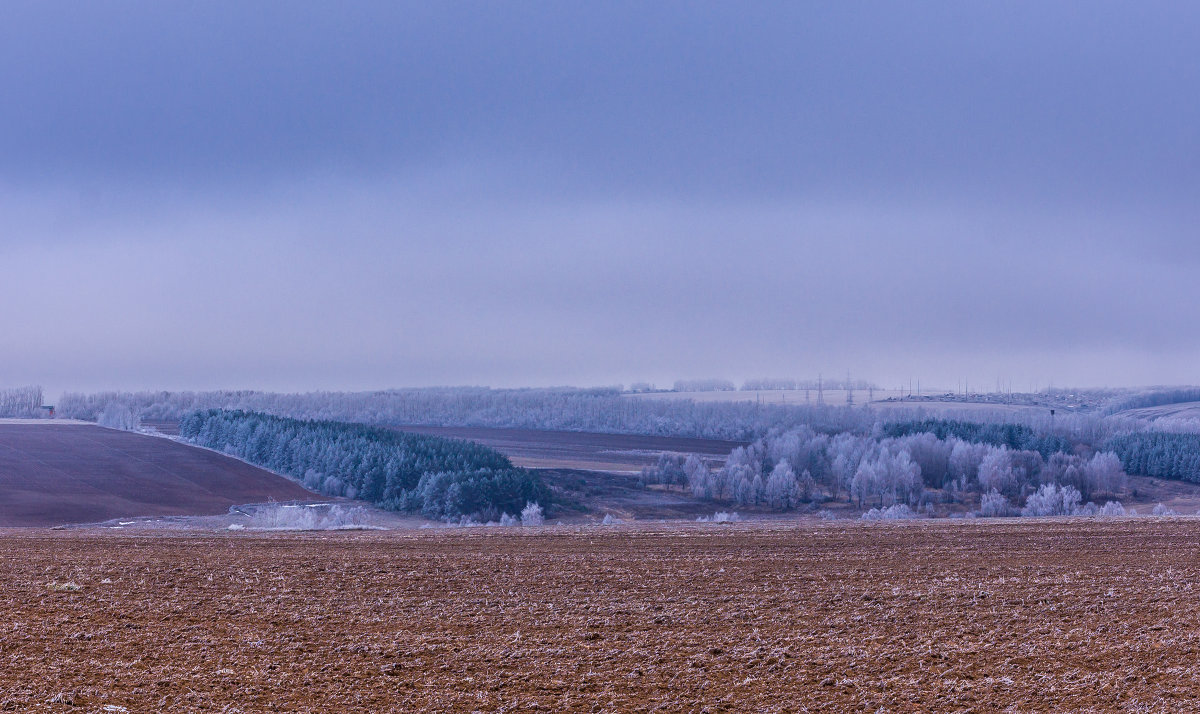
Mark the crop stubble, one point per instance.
(991, 616)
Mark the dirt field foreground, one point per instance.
(934, 616)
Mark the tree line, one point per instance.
(20, 402)
(437, 477)
(1159, 454)
(1014, 436)
(564, 409)
(607, 410)
(786, 470)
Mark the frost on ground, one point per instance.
(929, 615)
(316, 517)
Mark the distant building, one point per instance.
(47, 412)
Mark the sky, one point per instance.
(297, 196)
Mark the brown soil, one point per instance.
(915, 617)
(85, 474)
(598, 493)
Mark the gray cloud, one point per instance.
(284, 196)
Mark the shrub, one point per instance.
(720, 517)
(1052, 500)
(118, 416)
(993, 504)
(611, 520)
(1112, 508)
(532, 515)
(898, 512)
(1161, 510)
(279, 517)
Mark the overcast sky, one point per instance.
(293, 195)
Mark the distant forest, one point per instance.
(439, 478)
(1167, 448)
(913, 466)
(599, 410)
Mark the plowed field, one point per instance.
(52, 474)
(934, 616)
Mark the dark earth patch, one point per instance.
(57, 474)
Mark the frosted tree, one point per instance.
(783, 488)
(996, 472)
(865, 483)
(1104, 473)
(532, 515)
(993, 504)
(22, 402)
(701, 480)
(1052, 500)
(965, 459)
(119, 416)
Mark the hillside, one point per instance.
(588, 451)
(55, 474)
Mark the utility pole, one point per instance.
(820, 390)
(849, 390)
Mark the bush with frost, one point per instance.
(1112, 508)
(532, 515)
(280, 517)
(720, 517)
(1052, 500)
(898, 512)
(611, 520)
(994, 504)
(1161, 510)
(119, 416)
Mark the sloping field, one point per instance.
(1183, 410)
(960, 410)
(832, 397)
(587, 451)
(918, 617)
(51, 475)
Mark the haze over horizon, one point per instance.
(296, 196)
